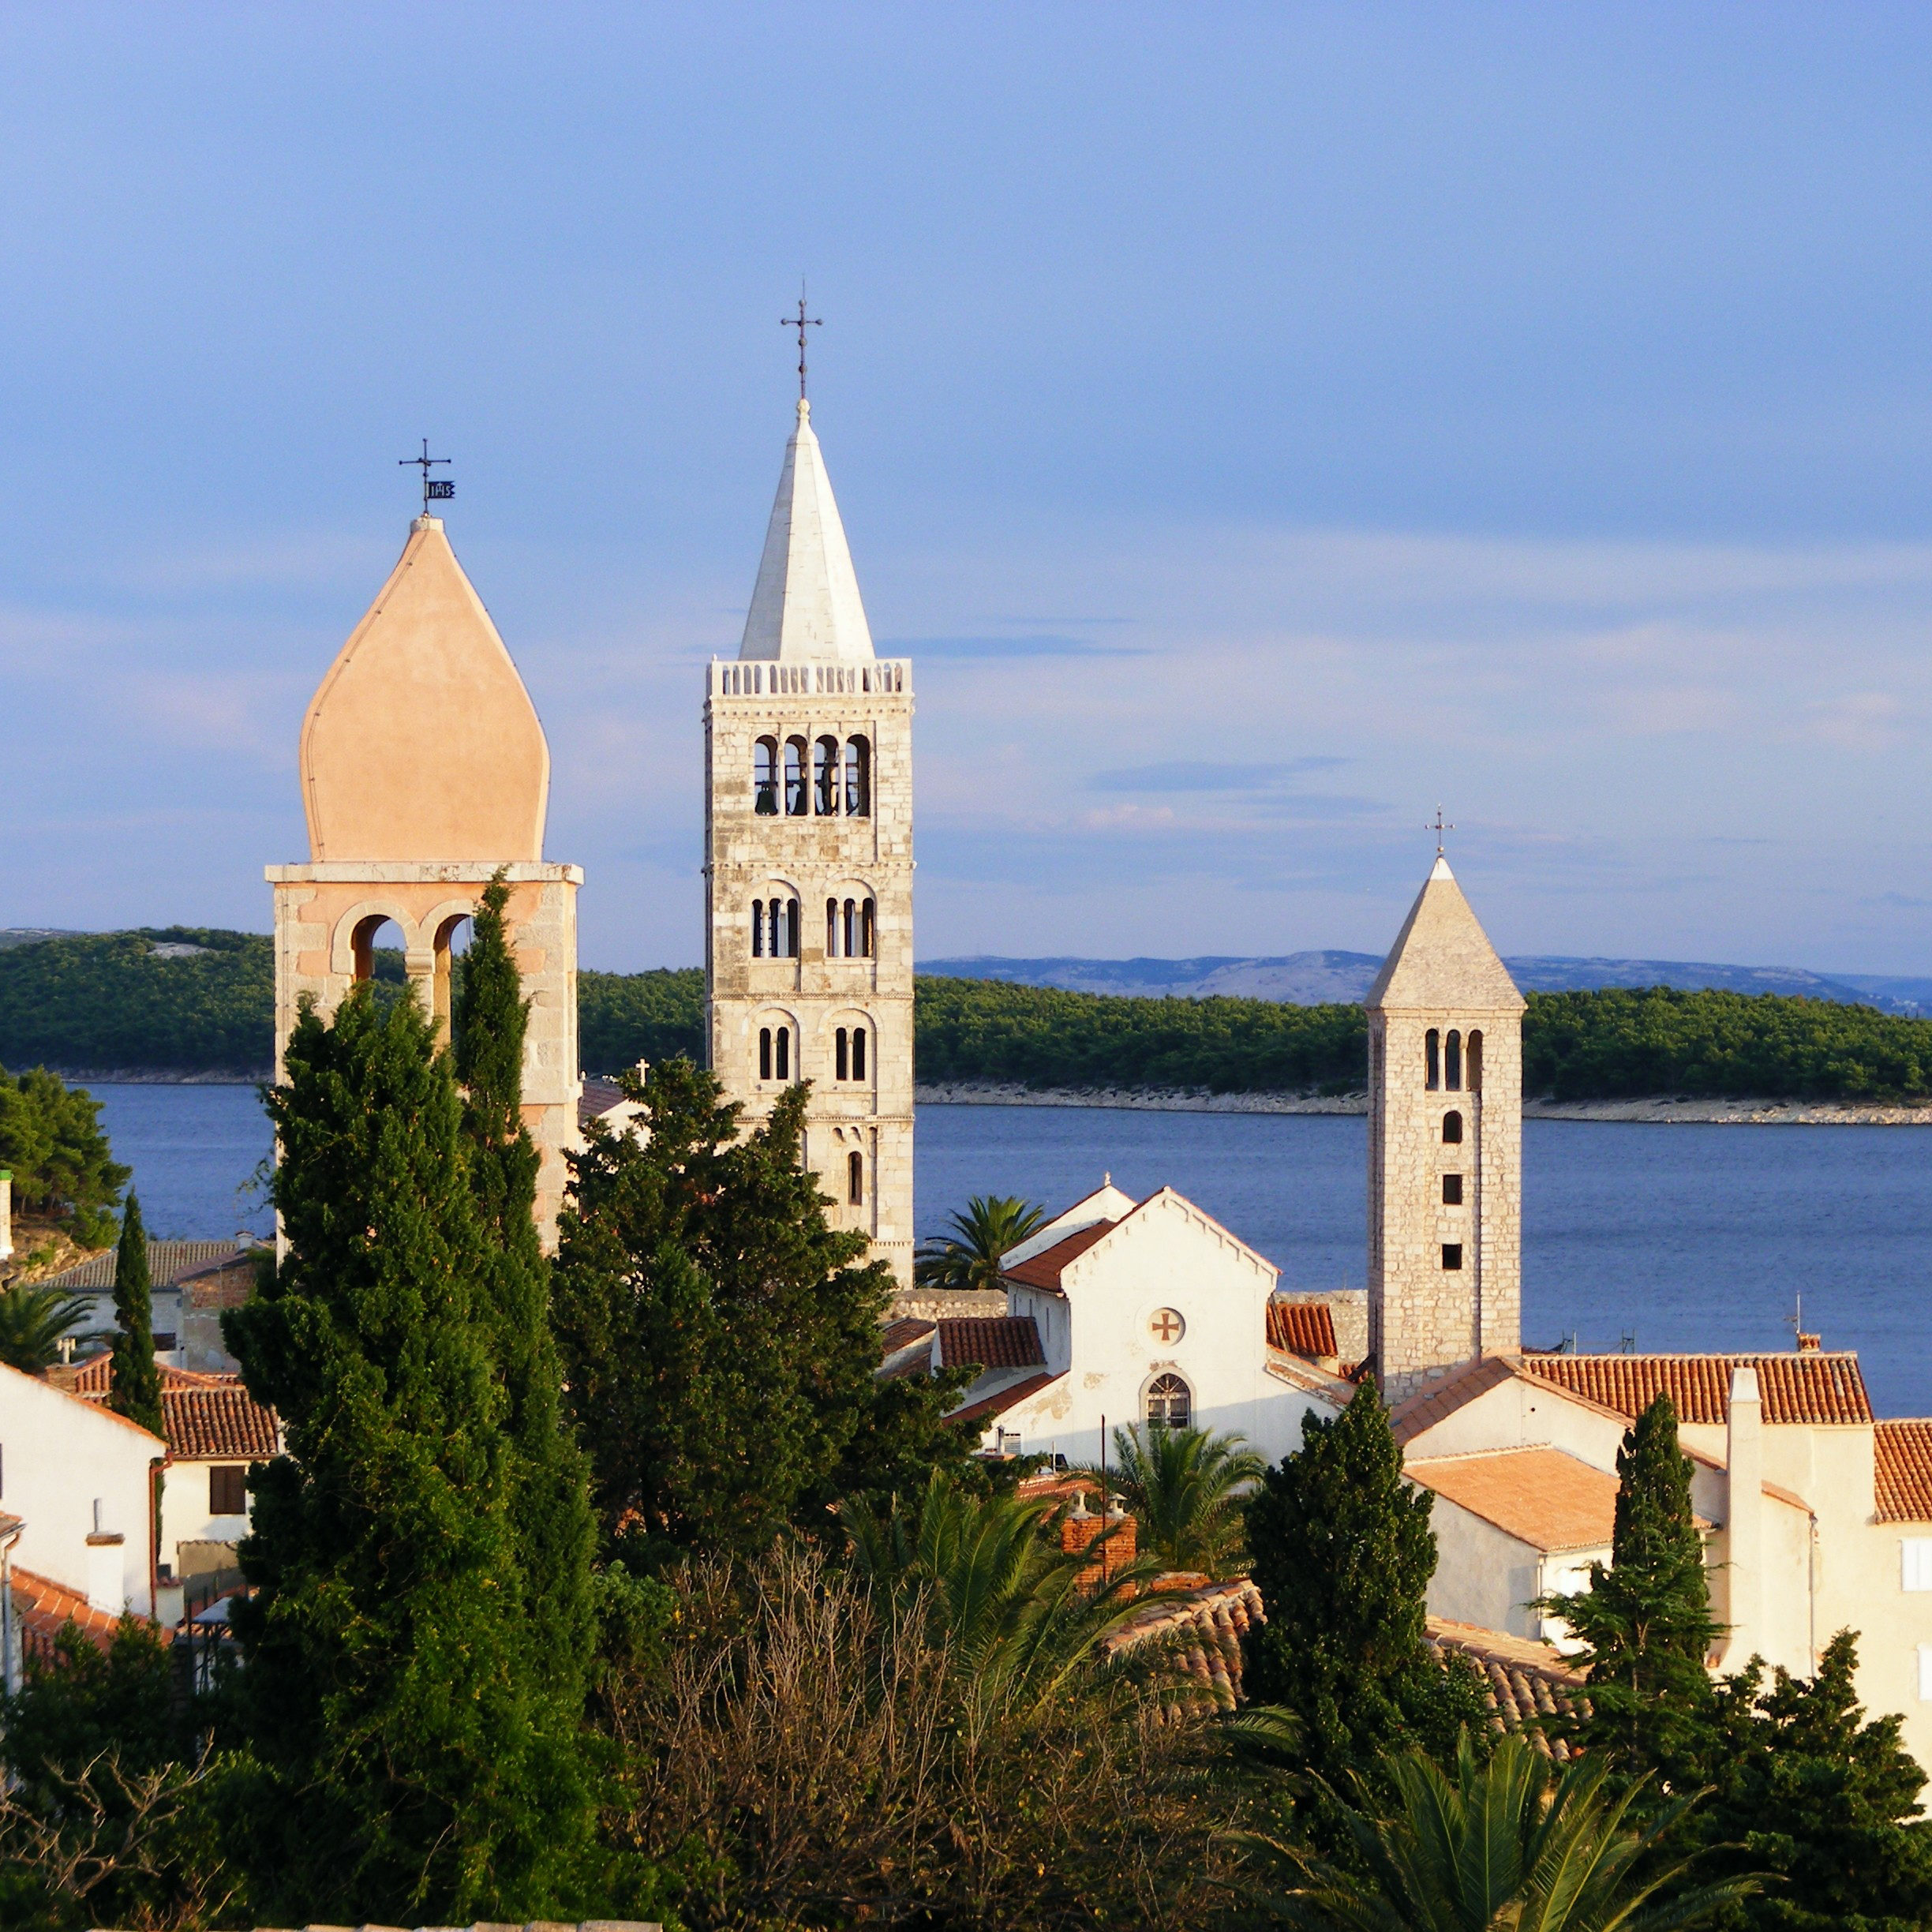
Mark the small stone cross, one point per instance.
(1439, 828)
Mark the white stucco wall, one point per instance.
(186, 1516)
(59, 1455)
(1483, 1575)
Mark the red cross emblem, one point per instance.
(1167, 1326)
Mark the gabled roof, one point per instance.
(1302, 1328)
(1544, 1497)
(1441, 958)
(1000, 1400)
(1431, 1403)
(903, 1333)
(807, 605)
(1807, 1387)
(208, 1418)
(1902, 1452)
(990, 1342)
(1105, 1203)
(169, 1263)
(1044, 1270)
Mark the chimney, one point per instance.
(1744, 1516)
(1080, 1528)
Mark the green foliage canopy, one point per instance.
(51, 1137)
(135, 1384)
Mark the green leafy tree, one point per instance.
(1805, 1790)
(1495, 1846)
(63, 1169)
(719, 1339)
(135, 1391)
(1343, 1553)
(35, 1321)
(968, 1258)
(1188, 1489)
(549, 1493)
(1646, 1619)
(415, 1761)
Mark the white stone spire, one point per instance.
(807, 605)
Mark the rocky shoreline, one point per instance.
(1686, 1112)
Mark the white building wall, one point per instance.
(185, 1516)
(1484, 1575)
(58, 1456)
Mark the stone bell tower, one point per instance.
(1445, 1146)
(808, 864)
(424, 768)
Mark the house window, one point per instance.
(1432, 1059)
(1452, 1255)
(1452, 1130)
(228, 1489)
(1915, 1562)
(1170, 1402)
(855, 1180)
(1452, 1190)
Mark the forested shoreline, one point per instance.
(194, 1002)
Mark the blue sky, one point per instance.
(1255, 423)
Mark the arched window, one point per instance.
(796, 801)
(867, 940)
(831, 929)
(858, 778)
(859, 1071)
(854, 1179)
(840, 1057)
(825, 771)
(1452, 1130)
(765, 1057)
(758, 928)
(1475, 1063)
(851, 947)
(782, 1055)
(792, 924)
(1432, 1059)
(1170, 1403)
(764, 778)
(1452, 1061)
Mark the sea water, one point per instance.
(1656, 1237)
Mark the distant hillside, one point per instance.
(1317, 979)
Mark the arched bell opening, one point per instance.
(452, 941)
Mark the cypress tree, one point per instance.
(1646, 1619)
(413, 1762)
(1343, 1553)
(549, 1496)
(135, 1391)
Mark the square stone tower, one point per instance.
(424, 768)
(1445, 1147)
(808, 865)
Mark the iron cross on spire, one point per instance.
(435, 489)
(1439, 828)
(801, 322)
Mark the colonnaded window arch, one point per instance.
(775, 928)
(857, 777)
(774, 1050)
(797, 800)
(852, 926)
(1452, 1061)
(849, 1052)
(451, 942)
(825, 777)
(1431, 1060)
(764, 778)
(1170, 1402)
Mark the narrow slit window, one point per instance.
(796, 801)
(1431, 1060)
(793, 923)
(764, 778)
(859, 1071)
(839, 1057)
(765, 1053)
(832, 936)
(868, 934)
(825, 773)
(758, 928)
(855, 1180)
(858, 778)
(1452, 1190)
(1452, 1255)
(1474, 1068)
(784, 1045)
(1452, 1061)
(851, 929)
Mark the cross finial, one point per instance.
(1441, 825)
(801, 322)
(435, 489)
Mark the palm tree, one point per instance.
(1498, 1848)
(1006, 1598)
(35, 1321)
(969, 1257)
(1187, 1487)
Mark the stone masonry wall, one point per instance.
(812, 858)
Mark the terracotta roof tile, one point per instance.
(1042, 1270)
(1302, 1328)
(94, 1377)
(45, 1607)
(598, 1097)
(1531, 1686)
(1541, 1496)
(1429, 1406)
(168, 1262)
(1812, 1387)
(1204, 1627)
(1903, 1454)
(208, 1418)
(997, 1403)
(990, 1342)
(902, 1334)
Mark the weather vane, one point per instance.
(436, 489)
(801, 322)
(1439, 828)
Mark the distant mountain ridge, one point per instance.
(1319, 978)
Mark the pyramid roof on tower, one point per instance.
(1442, 958)
(806, 607)
(422, 743)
